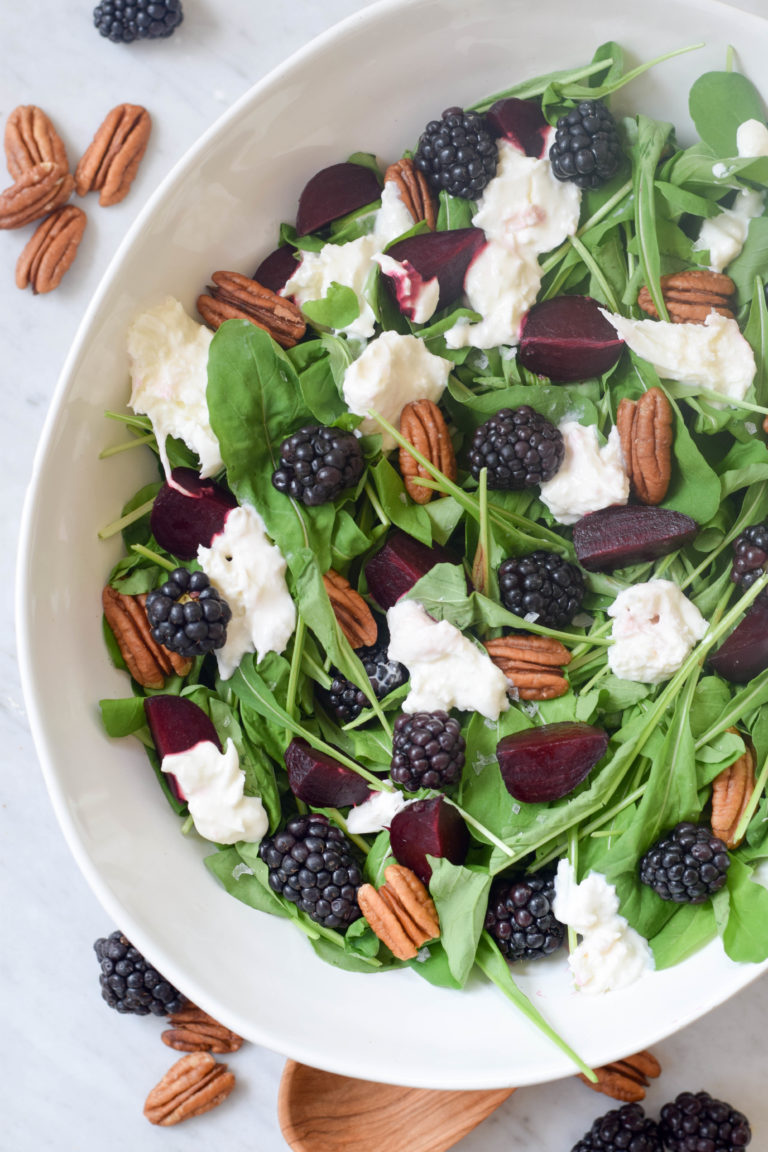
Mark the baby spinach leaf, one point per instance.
(684, 933)
(751, 262)
(719, 102)
(337, 309)
(745, 937)
(461, 898)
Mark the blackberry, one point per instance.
(699, 1123)
(187, 615)
(586, 148)
(125, 20)
(520, 916)
(750, 557)
(345, 700)
(686, 866)
(544, 583)
(625, 1129)
(519, 447)
(129, 983)
(318, 463)
(384, 674)
(458, 153)
(427, 751)
(312, 864)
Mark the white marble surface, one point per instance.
(73, 1074)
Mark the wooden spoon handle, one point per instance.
(323, 1112)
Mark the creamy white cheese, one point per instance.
(168, 352)
(249, 571)
(446, 669)
(524, 211)
(655, 626)
(723, 235)
(377, 812)
(752, 139)
(351, 263)
(611, 954)
(416, 297)
(213, 784)
(392, 371)
(712, 355)
(590, 476)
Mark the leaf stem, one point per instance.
(125, 446)
(299, 637)
(125, 521)
(148, 554)
(376, 504)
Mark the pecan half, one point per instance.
(401, 913)
(111, 161)
(626, 1079)
(532, 664)
(690, 296)
(193, 1085)
(49, 253)
(30, 139)
(423, 425)
(233, 296)
(646, 433)
(193, 1030)
(351, 611)
(146, 660)
(37, 192)
(414, 190)
(731, 792)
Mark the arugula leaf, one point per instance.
(719, 102)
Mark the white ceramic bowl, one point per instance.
(371, 84)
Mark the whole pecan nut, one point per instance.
(37, 191)
(111, 161)
(30, 139)
(646, 434)
(193, 1085)
(49, 253)
(352, 613)
(147, 661)
(626, 1079)
(233, 296)
(193, 1030)
(732, 790)
(690, 296)
(423, 425)
(414, 190)
(401, 913)
(532, 664)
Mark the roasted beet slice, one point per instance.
(428, 828)
(275, 270)
(545, 763)
(321, 781)
(445, 255)
(332, 193)
(189, 512)
(397, 566)
(568, 338)
(521, 122)
(744, 654)
(177, 724)
(628, 534)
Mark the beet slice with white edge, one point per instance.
(567, 338)
(445, 256)
(275, 270)
(176, 724)
(189, 512)
(428, 828)
(333, 192)
(521, 122)
(321, 781)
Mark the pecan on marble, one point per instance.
(147, 661)
(423, 425)
(532, 664)
(233, 296)
(49, 253)
(690, 296)
(401, 913)
(194, 1084)
(732, 790)
(193, 1030)
(37, 192)
(30, 139)
(646, 433)
(110, 162)
(352, 613)
(414, 190)
(626, 1079)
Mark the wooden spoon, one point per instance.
(323, 1112)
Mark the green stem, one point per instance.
(604, 210)
(315, 671)
(125, 521)
(754, 800)
(117, 448)
(337, 817)
(148, 554)
(296, 658)
(597, 273)
(376, 504)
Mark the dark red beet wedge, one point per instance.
(332, 193)
(320, 780)
(521, 122)
(176, 724)
(567, 338)
(189, 512)
(428, 828)
(542, 764)
(275, 270)
(744, 654)
(628, 534)
(445, 255)
(397, 566)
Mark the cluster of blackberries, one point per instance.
(686, 866)
(129, 983)
(318, 463)
(187, 615)
(125, 20)
(692, 1122)
(458, 153)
